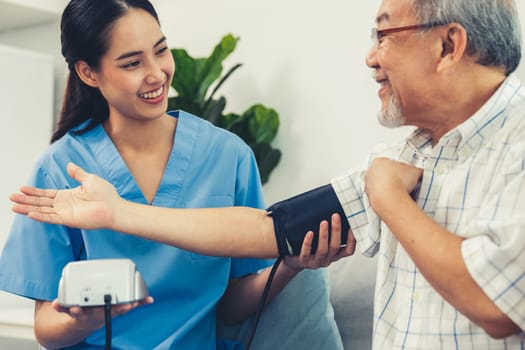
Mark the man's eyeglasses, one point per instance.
(377, 35)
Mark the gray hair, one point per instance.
(493, 28)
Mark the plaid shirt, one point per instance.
(473, 185)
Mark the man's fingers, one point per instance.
(76, 172)
(29, 199)
(38, 192)
(21, 209)
(26, 209)
(50, 218)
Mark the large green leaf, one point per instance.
(211, 68)
(187, 105)
(185, 78)
(223, 79)
(213, 109)
(194, 76)
(267, 159)
(257, 126)
(263, 123)
(239, 126)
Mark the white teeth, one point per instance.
(153, 94)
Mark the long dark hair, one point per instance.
(85, 26)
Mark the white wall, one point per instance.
(43, 39)
(26, 109)
(54, 6)
(305, 59)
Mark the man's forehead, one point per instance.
(395, 11)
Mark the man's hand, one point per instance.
(88, 206)
(385, 179)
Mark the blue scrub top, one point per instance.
(208, 167)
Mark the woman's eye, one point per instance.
(131, 64)
(162, 50)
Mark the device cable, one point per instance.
(107, 317)
(263, 300)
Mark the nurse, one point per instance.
(114, 124)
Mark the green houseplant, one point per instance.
(192, 81)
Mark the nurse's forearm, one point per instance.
(231, 231)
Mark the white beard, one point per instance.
(392, 116)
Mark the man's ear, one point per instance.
(86, 74)
(454, 45)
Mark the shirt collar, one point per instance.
(467, 137)
(484, 122)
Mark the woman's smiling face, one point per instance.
(136, 72)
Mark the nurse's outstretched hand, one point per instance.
(88, 206)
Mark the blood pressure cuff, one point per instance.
(295, 216)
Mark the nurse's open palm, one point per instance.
(87, 206)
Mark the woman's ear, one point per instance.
(86, 74)
(454, 45)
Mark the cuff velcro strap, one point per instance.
(295, 216)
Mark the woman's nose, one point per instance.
(155, 73)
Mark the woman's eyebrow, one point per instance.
(134, 53)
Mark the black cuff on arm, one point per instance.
(294, 217)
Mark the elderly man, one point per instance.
(442, 210)
(449, 228)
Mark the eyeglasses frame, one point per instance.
(377, 35)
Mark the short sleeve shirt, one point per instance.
(473, 185)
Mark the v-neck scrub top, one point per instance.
(208, 167)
